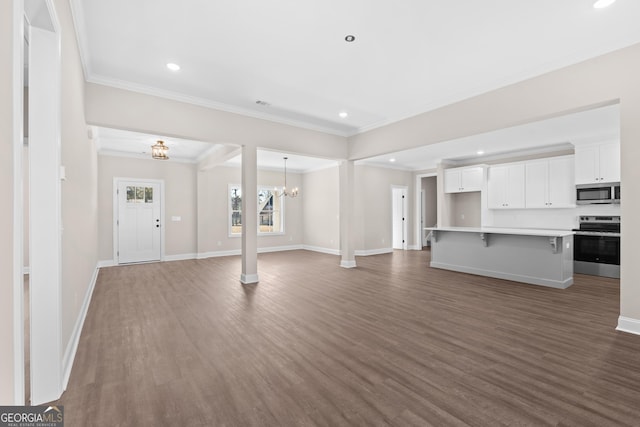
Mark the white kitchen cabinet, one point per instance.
(460, 180)
(597, 163)
(549, 183)
(506, 187)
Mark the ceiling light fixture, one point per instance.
(173, 67)
(159, 151)
(343, 114)
(601, 4)
(284, 192)
(480, 153)
(392, 160)
(350, 38)
(263, 103)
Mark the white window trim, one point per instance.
(229, 212)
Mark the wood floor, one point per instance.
(391, 342)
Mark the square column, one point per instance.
(347, 223)
(249, 215)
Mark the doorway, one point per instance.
(399, 217)
(138, 220)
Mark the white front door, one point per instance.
(139, 221)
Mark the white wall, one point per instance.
(180, 200)
(8, 121)
(321, 209)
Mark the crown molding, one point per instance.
(77, 15)
(207, 103)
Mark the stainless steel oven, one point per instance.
(596, 246)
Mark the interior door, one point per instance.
(139, 221)
(399, 212)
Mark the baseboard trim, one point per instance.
(369, 252)
(72, 347)
(247, 279)
(279, 249)
(328, 251)
(106, 263)
(347, 264)
(629, 325)
(415, 248)
(26, 270)
(179, 257)
(237, 252)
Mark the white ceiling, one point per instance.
(134, 144)
(548, 135)
(409, 56)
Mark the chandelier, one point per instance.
(159, 151)
(284, 192)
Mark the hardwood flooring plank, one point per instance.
(390, 343)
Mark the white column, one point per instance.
(249, 215)
(347, 230)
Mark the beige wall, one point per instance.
(8, 146)
(465, 209)
(373, 206)
(213, 210)
(116, 108)
(430, 201)
(321, 208)
(180, 200)
(79, 196)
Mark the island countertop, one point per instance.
(515, 231)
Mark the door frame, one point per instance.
(418, 186)
(116, 214)
(405, 209)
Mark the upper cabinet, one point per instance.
(506, 186)
(597, 163)
(549, 183)
(459, 180)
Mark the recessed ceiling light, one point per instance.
(480, 153)
(343, 114)
(601, 4)
(350, 38)
(173, 67)
(392, 160)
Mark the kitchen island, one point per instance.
(534, 256)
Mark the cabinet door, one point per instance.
(537, 184)
(452, 181)
(514, 193)
(471, 179)
(496, 186)
(610, 162)
(586, 165)
(562, 189)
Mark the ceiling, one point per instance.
(554, 134)
(408, 57)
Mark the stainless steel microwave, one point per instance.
(598, 194)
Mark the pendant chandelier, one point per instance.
(159, 151)
(284, 192)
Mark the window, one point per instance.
(139, 194)
(270, 211)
